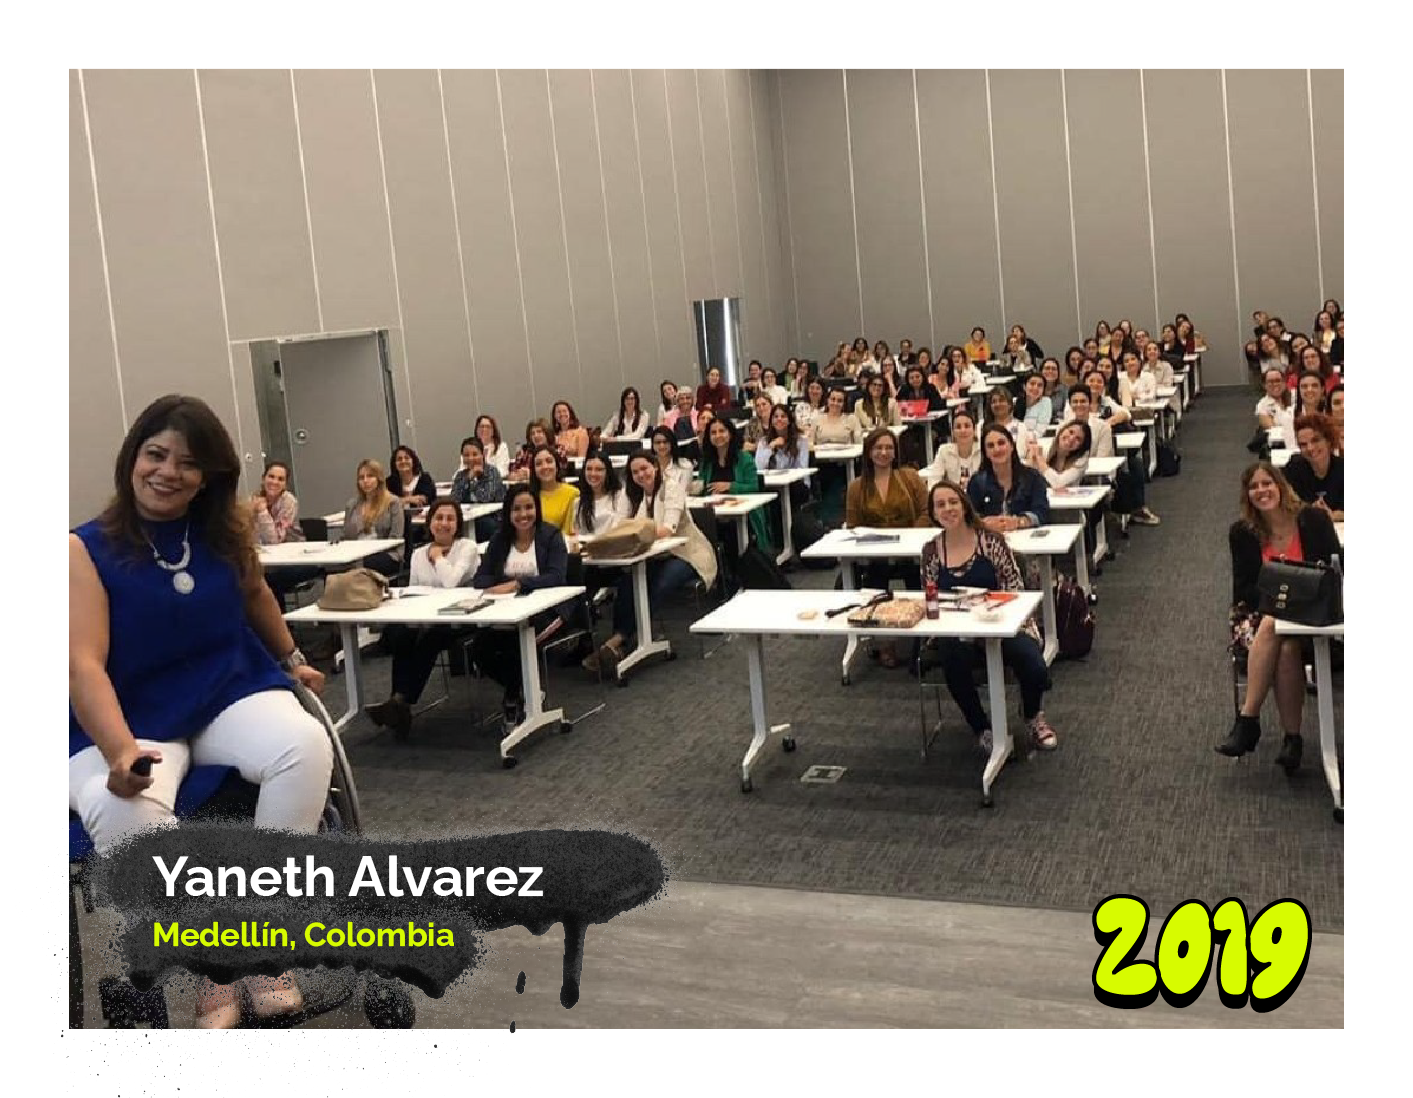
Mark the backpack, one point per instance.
(1169, 460)
(757, 569)
(1074, 620)
(806, 529)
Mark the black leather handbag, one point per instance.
(1307, 594)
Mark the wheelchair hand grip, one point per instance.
(142, 767)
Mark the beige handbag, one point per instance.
(356, 589)
(627, 539)
(892, 614)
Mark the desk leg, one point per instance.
(851, 646)
(743, 536)
(1081, 563)
(787, 533)
(928, 445)
(1047, 608)
(1324, 704)
(1150, 431)
(352, 674)
(1101, 537)
(536, 716)
(760, 728)
(1000, 733)
(646, 645)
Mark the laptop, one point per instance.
(912, 408)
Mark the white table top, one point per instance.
(469, 511)
(1281, 458)
(777, 613)
(837, 452)
(1153, 405)
(419, 606)
(1291, 629)
(741, 503)
(843, 544)
(1339, 531)
(1104, 467)
(928, 417)
(321, 554)
(1041, 541)
(1080, 498)
(1167, 390)
(662, 545)
(1128, 440)
(778, 477)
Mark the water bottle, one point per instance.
(932, 604)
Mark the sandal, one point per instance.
(1041, 732)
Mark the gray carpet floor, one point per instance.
(1134, 800)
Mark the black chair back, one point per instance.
(314, 529)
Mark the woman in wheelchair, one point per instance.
(448, 560)
(178, 654)
(966, 554)
(1274, 523)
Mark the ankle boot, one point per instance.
(1245, 733)
(1289, 758)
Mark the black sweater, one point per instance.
(1318, 541)
(1308, 486)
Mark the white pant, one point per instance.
(268, 737)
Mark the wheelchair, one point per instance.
(386, 1003)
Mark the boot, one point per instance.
(1289, 758)
(1245, 733)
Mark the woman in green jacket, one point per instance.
(727, 469)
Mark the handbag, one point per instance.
(1307, 594)
(890, 614)
(628, 538)
(356, 589)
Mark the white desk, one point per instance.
(740, 508)
(1339, 532)
(925, 422)
(1083, 497)
(469, 511)
(848, 455)
(1107, 468)
(1128, 440)
(1153, 428)
(753, 615)
(323, 554)
(780, 480)
(1281, 458)
(1183, 379)
(1324, 700)
(646, 646)
(419, 606)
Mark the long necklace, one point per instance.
(182, 579)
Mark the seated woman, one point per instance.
(537, 436)
(916, 387)
(784, 446)
(1310, 395)
(1015, 357)
(1317, 473)
(771, 387)
(1035, 410)
(1002, 407)
(960, 458)
(1187, 335)
(1131, 482)
(526, 554)
(750, 388)
(375, 513)
(812, 406)
(978, 348)
(497, 452)
(726, 469)
(276, 515)
(876, 408)
(1007, 495)
(1055, 390)
(600, 502)
(795, 378)
(1102, 335)
(667, 399)
(477, 481)
(712, 394)
(1336, 351)
(571, 439)
(1169, 344)
(685, 421)
(448, 560)
(556, 498)
(1074, 369)
(178, 653)
(1274, 523)
(1155, 364)
(675, 468)
(1270, 352)
(1136, 385)
(630, 421)
(1063, 463)
(965, 373)
(966, 554)
(836, 427)
(1311, 360)
(889, 496)
(408, 482)
(759, 423)
(651, 496)
(1276, 408)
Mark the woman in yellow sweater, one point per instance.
(978, 348)
(557, 499)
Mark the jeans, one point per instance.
(1022, 654)
(414, 651)
(665, 575)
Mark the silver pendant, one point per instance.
(183, 582)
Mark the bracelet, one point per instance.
(295, 659)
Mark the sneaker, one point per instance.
(1144, 517)
(1041, 732)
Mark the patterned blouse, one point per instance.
(279, 521)
(993, 549)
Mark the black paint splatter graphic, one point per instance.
(520, 985)
(587, 877)
(512, 1026)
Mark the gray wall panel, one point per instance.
(761, 337)
(961, 222)
(548, 302)
(689, 173)
(888, 202)
(488, 249)
(674, 313)
(1111, 225)
(1327, 87)
(157, 225)
(769, 144)
(96, 420)
(719, 178)
(627, 230)
(591, 272)
(1274, 193)
(258, 188)
(821, 210)
(1033, 199)
(1191, 213)
(437, 351)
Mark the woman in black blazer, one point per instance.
(525, 554)
(412, 485)
(1273, 524)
